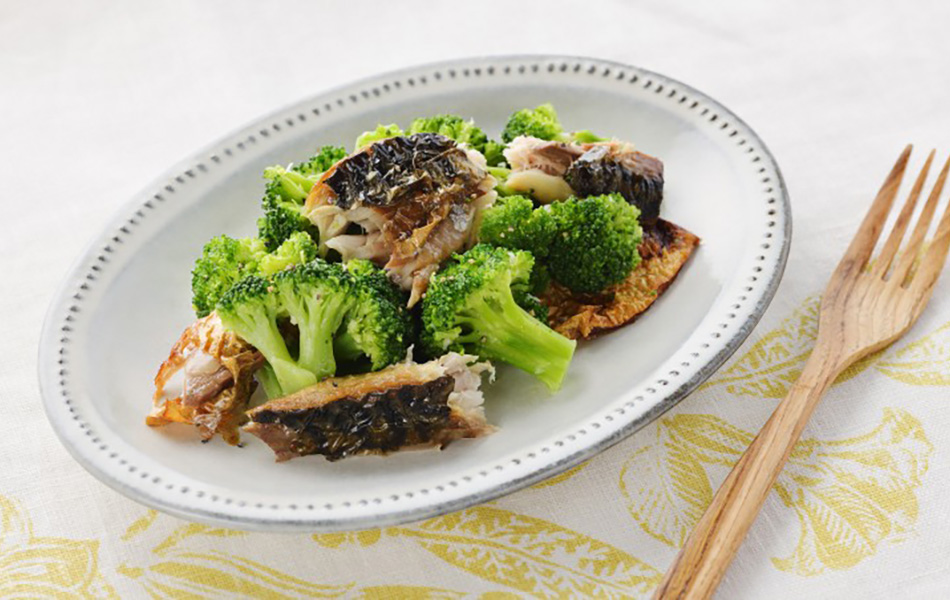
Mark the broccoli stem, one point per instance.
(325, 315)
(261, 332)
(268, 379)
(502, 330)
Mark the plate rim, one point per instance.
(50, 332)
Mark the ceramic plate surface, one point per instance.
(128, 299)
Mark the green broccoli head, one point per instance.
(381, 132)
(251, 309)
(451, 126)
(282, 219)
(351, 313)
(378, 326)
(540, 122)
(470, 306)
(223, 262)
(319, 163)
(514, 223)
(596, 240)
(288, 184)
(297, 249)
(532, 304)
(316, 296)
(462, 131)
(286, 193)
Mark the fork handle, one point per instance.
(704, 558)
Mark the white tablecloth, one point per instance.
(98, 97)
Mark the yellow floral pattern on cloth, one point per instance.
(532, 555)
(922, 362)
(46, 567)
(179, 570)
(773, 363)
(849, 495)
(524, 553)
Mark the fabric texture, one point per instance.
(98, 97)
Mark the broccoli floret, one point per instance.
(288, 184)
(224, 261)
(381, 132)
(540, 122)
(470, 307)
(494, 153)
(297, 249)
(595, 245)
(281, 220)
(316, 295)
(321, 162)
(451, 126)
(540, 279)
(378, 326)
(353, 314)
(532, 304)
(287, 190)
(514, 223)
(251, 310)
(462, 131)
(586, 245)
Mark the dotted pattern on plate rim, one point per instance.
(591, 68)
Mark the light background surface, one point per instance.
(97, 98)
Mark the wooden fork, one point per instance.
(866, 306)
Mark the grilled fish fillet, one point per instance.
(218, 380)
(552, 171)
(407, 203)
(403, 406)
(665, 249)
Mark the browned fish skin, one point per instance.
(665, 249)
(381, 421)
(395, 170)
(405, 405)
(214, 401)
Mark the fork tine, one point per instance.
(859, 251)
(883, 261)
(932, 262)
(909, 254)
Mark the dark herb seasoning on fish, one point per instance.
(394, 170)
(406, 405)
(406, 203)
(381, 421)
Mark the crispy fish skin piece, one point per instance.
(218, 381)
(406, 203)
(403, 406)
(665, 249)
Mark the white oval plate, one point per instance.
(128, 298)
